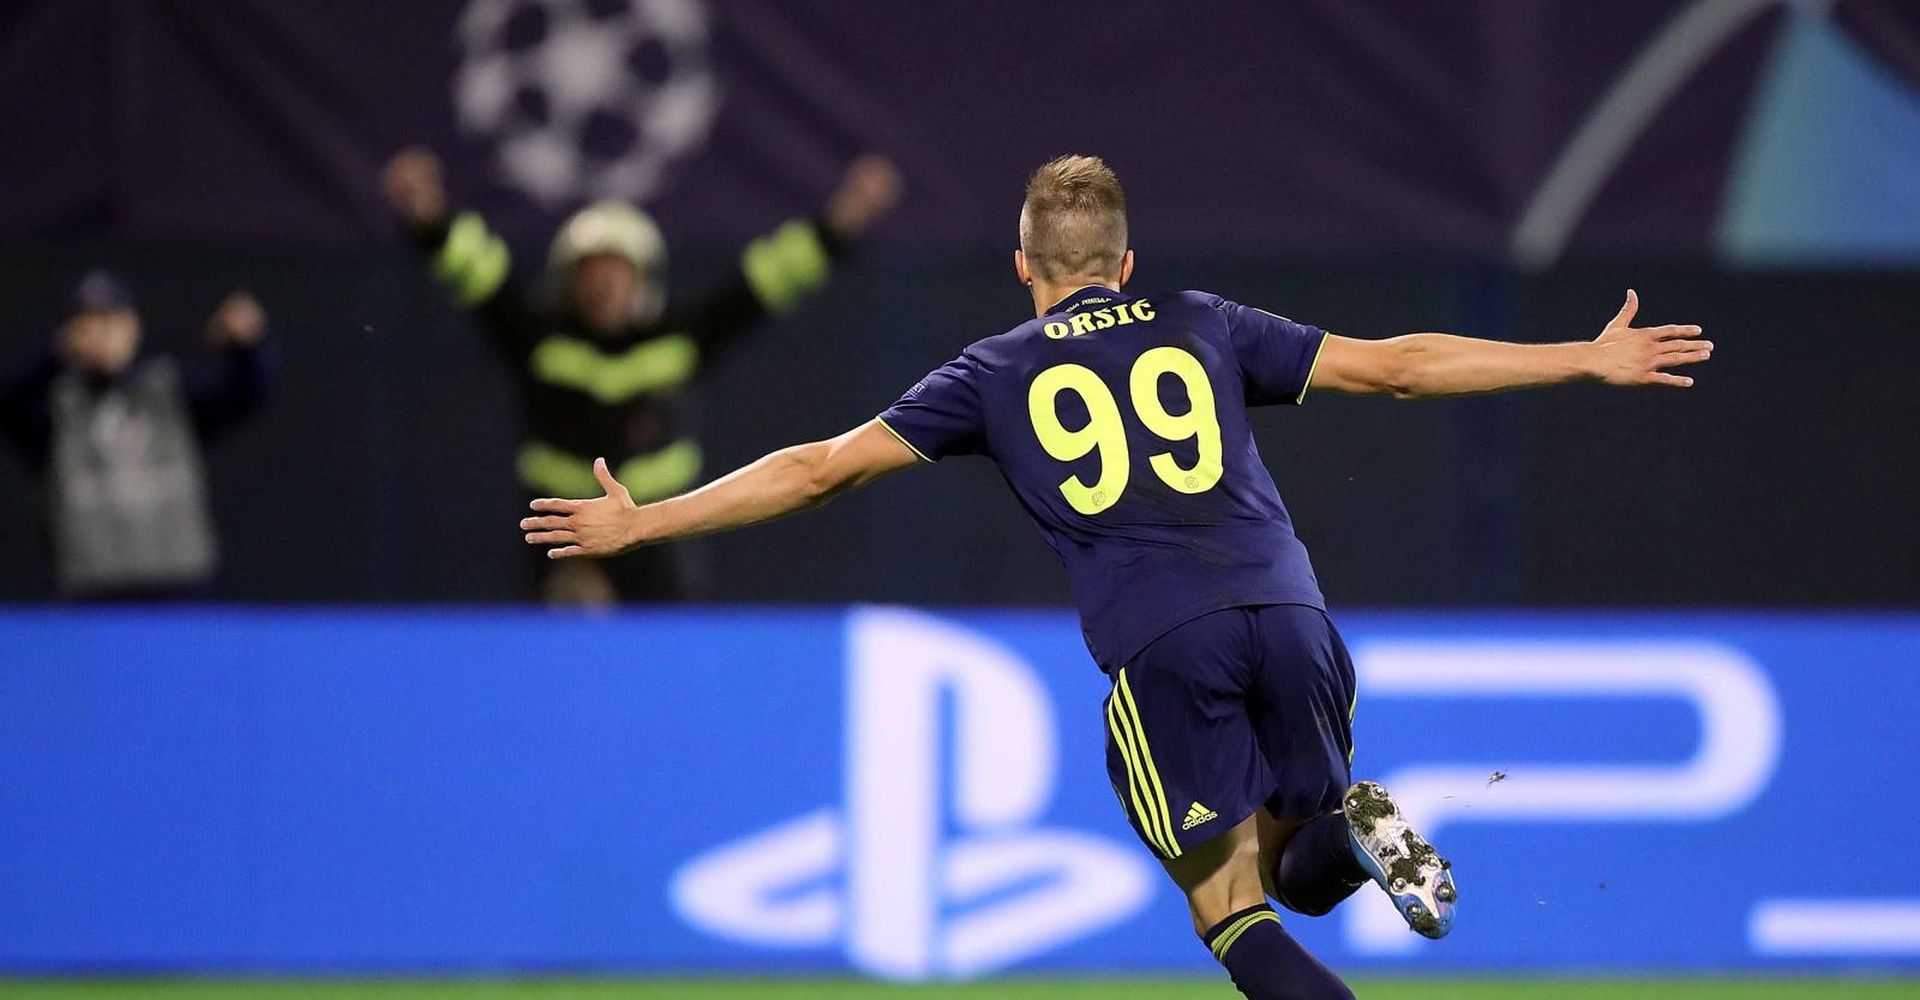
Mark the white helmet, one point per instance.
(613, 227)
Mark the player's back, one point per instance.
(1121, 424)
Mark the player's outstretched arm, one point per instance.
(791, 479)
(1426, 365)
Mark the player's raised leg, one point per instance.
(1222, 883)
(1187, 767)
(1309, 864)
(1322, 840)
(1301, 705)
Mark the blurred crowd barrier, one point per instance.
(906, 793)
(1781, 479)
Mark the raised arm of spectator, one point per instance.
(470, 260)
(780, 269)
(235, 383)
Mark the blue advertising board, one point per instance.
(908, 794)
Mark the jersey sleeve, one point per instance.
(1276, 354)
(941, 415)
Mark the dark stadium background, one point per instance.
(1485, 167)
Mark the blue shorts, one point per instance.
(1233, 711)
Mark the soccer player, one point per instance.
(1120, 422)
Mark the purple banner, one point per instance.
(1317, 128)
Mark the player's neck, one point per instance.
(1047, 294)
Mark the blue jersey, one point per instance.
(1121, 424)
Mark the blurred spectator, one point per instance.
(602, 361)
(118, 436)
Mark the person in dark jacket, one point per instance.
(117, 437)
(603, 363)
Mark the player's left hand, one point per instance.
(1639, 355)
(592, 529)
(869, 190)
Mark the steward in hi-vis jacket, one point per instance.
(602, 364)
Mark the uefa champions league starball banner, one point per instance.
(1747, 129)
(907, 794)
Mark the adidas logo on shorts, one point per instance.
(1196, 815)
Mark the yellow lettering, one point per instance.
(1081, 324)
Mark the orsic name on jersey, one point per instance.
(1081, 324)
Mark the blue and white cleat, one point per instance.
(1414, 875)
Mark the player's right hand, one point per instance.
(590, 529)
(1632, 355)
(414, 186)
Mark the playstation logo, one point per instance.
(933, 866)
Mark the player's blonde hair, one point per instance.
(1074, 221)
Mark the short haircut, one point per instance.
(1074, 221)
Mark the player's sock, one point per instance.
(1317, 870)
(1266, 963)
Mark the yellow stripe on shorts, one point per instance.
(1154, 793)
(1136, 779)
